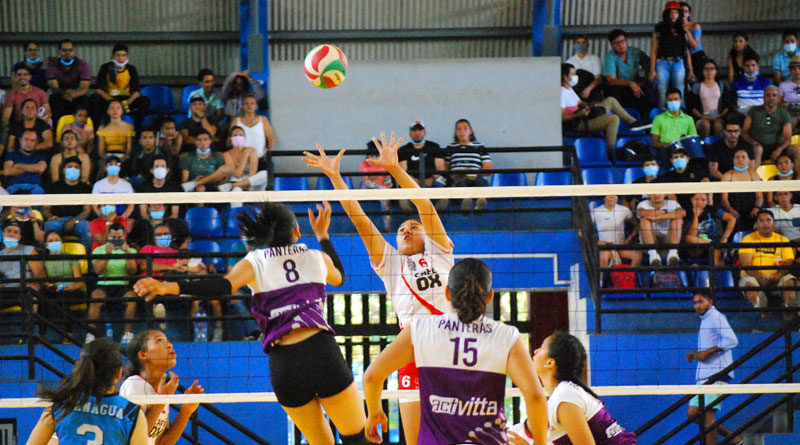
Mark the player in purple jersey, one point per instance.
(307, 369)
(461, 393)
(575, 414)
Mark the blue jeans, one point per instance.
(34, 189)
(81, 229)
(667, 71)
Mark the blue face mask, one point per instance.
(580, 48)
(784, 175)
(24, 210)
(680, 163)
(65, 63)
(157, 214)
(72, 173)
(163, 240)
(203, 152)
(54, 246)
(10, 243)
(651, 170)
(107, 209)
(790, 47)
(418, 142)
(116, 242)
(751, 76)
(741, 169)
(674, 105)
(37, 60)
(112, 170)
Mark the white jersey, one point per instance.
(520, 430)
(611, 223)
(605, 430)
(135, 385)
(462, 378)
(416, 283)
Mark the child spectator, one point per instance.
(79, 123)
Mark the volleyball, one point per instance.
(326, 66)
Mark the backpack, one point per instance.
(633, 151)
(621, 278)
(666, 279)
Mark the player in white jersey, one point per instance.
(151, 355)
(85, 408)
(463, 359)
(415, 273)
(307, 369)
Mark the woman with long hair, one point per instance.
(309, 375)
(415, 273)
(744, 206)
(671, 61)
(740, 48)
(461, 356)
(116, 136)
(85, 407)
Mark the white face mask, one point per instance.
(160, 172)
(573, 80)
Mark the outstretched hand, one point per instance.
(149, 288)
(168, 387)
(321, 222)
(194, 389)
(329, 166)
(371, 429)
(388, 152)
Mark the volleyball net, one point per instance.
(635, 318)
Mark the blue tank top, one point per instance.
(696, 33)
(110, 423)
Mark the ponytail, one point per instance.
(570, 357)
(92, 375)
(470, 285)
(137, 344)
(272, 226)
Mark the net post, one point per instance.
(787, 345)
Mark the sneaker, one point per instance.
(655, 259)
(89, 338)
(225, 187)
(126, 338)
(480, 204)
(160, 312)
(189, 186)
(217, 334)
(672, 258)
(636, 124)
(640, 126)
(466, 204)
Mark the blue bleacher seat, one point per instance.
(694, 147)
(631, 174)
(554, 178)
(232, 224)
(634, 112)
(203, 222)
(324, 183)
(725, 278)
(592, 152)
(232, 245)
(148, 120)
(624, 129)
(161, 98)
(209, 246)
(509, 179)
(129, 119)
(709, 140)
(621, 142)
(597, 176)
(179, 117)
(291, 183)
(654, 112)
(185, 95)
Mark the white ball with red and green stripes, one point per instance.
(326, 66)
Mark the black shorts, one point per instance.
(307, 370)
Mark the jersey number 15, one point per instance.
(470, 352)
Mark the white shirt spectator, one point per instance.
(660, 227)
(569, 100)
(787, 223)
(104, 186)
(611, 223)
(590, 63)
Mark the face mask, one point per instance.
(674, 105)
(419, 142)
(238, 141)
(156, 214)
(751, 76)
(783, 175)
(790, 47)
(740, 169)
(65, 63)
(10, 243)
(112, 170)
(573, 80)
(580, 48)
(651, 170)
(72, 173)
(203, 152)
(24, 210)
(116, 242)
(37, 60)
(54, 246)
(163, 240)
(680, 163)
(160, 172)
(120, 65)
(107, 209)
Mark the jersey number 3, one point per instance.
(470, 352)
(94, 429)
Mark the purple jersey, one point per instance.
(462, 378)
(605, 430)
(288, 290)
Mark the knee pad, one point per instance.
(355, 439)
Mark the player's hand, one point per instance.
(168, 387)
(329, 166)
(516, 439)
(371, 429)
(321, 222)
(388, 152)
(690, 356)
(149, 288)
(194, 389)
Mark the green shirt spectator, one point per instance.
(767, 128)
(197, 166)
(670, 128)
(115, 268)
(60, 269)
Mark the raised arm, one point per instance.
(427, 212)
(370, 235)
(520, 369)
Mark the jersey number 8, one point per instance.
(292, 274)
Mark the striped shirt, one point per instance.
(472, 158)
(749, 93)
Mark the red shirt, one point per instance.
(100, 225)
(150, 248)
(16, 97)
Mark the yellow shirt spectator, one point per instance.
(765, 255)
